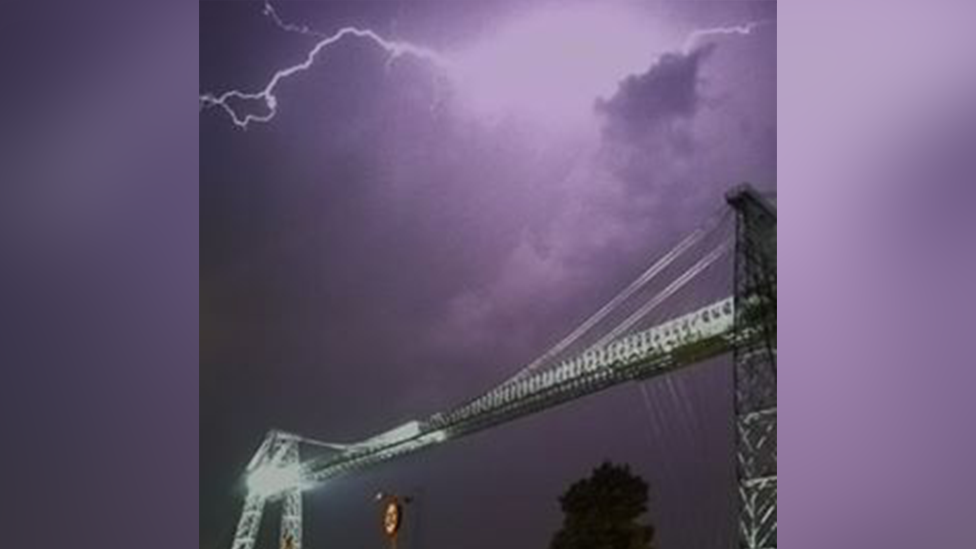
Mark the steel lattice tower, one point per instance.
(754, 368)
(278, 452)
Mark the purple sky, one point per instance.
(400, 237)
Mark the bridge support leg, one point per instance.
(250, 522)
(291, 520)
(754, 369)
(291, 506)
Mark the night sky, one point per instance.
(401, 237)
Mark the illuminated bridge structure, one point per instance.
(743, 324)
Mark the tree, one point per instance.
(601, 512)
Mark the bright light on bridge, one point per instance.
(273, 479)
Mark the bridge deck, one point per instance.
(685, 340)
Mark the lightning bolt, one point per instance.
(696, 36)
(269, 11)
(395, 49)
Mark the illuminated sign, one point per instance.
(392, 517)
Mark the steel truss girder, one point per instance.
(691, 338)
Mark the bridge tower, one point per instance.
(754, 368)
(275, 474)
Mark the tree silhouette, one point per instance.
(600, 512)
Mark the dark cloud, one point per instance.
(667, 91)
(676, 136)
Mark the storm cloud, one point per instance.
(644, 102)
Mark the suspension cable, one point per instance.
(699, 233)
(667, 292)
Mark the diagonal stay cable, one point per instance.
(667, 292)
(641, 281)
